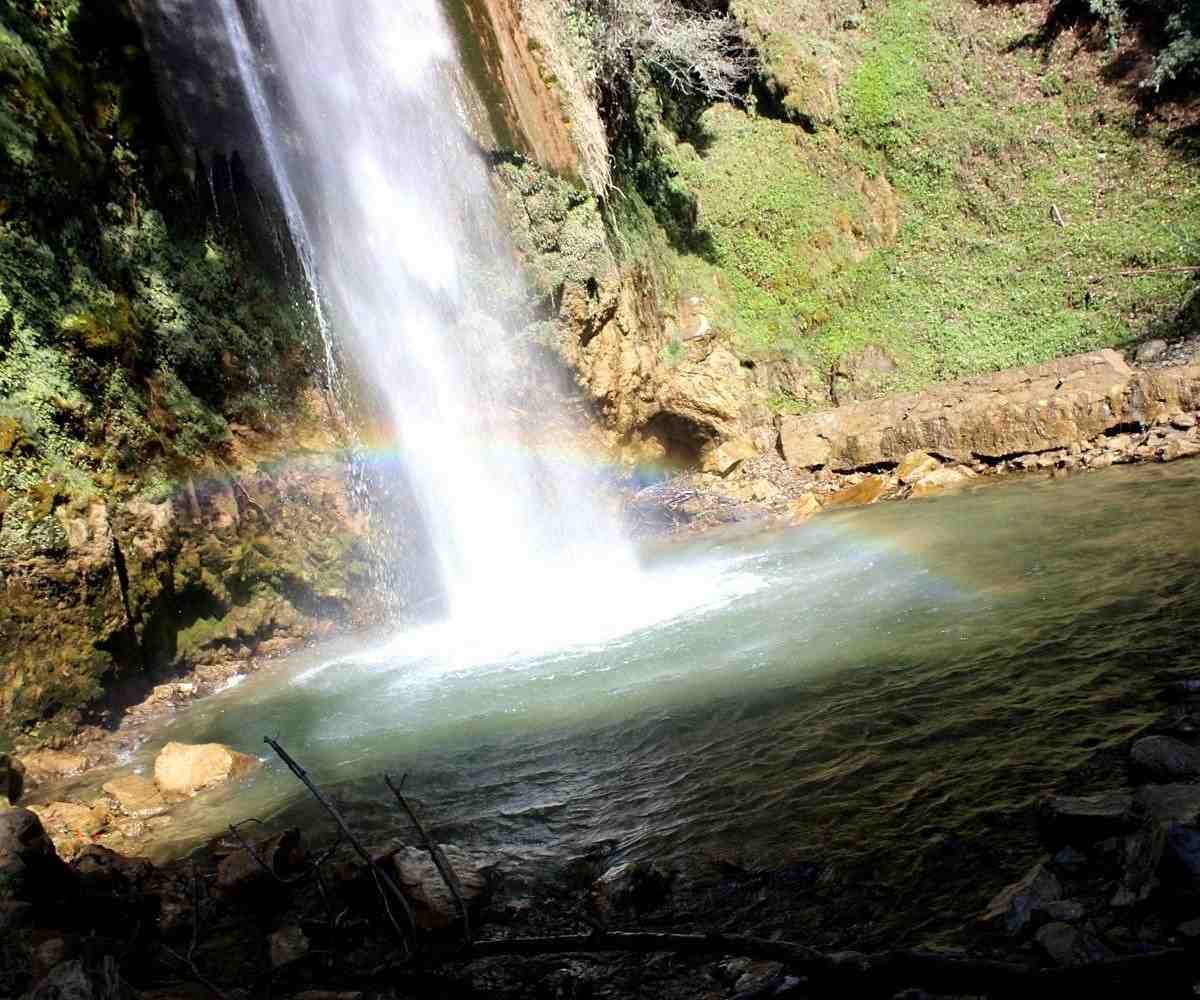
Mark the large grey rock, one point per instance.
(1166, 758)
(629, 885)
(434, 907)
(1014, 908)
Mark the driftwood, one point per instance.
(1162, 974)
(384, 883)
(440, 861)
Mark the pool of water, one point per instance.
(849, 688)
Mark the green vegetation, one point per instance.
(1022, 186)
(132, 330)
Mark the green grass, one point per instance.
(979, 143)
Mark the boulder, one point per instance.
(12, 780)
(28, 862)
(51, 765)
(1181, 858)
(1065, 910)
(867, 490)
(629, 886)
(135, 796)
(1165, 758)
(914, 465)
(1084, 819)
(434, 907)
(724, 458)
(1013, 908)
(183, 769)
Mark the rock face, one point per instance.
(181, 769)
(1029, 410)
(433, 905)
(12, 780)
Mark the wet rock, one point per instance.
(1013, 908)
(183, 769)
(629, 886)
(287, 945)
(1149, 351)
(1068, 946)
(284, 854)
(867, 490)
(434, 907)
(12, 780)
(1084, 819)
(1141, 856)
(803, 507)
(28, 862)
(726, 457)
(755, 976)
(914, 465)
(1172, 803)
(135, 796)
(1165, 758)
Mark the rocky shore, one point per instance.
(1075, 414)
(1113, 902)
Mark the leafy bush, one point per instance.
(1173, 26)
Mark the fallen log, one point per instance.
(1162, 974)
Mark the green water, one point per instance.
(862, 689)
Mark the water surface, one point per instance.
(851, 688)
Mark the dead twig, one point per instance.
(385, 885)
(440, 861)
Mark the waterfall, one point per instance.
(391, 209)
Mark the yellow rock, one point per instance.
(725, 458)
(803, 507)
(870, 489)
(940, 480)
(914, 465)
(136, 796)
(183, 769)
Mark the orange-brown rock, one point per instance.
(1027, 410)
(867, 490)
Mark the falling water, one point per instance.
(390, 207)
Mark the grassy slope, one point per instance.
(980, 137)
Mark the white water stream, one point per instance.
(391, 210)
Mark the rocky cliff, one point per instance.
(170, 487)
